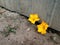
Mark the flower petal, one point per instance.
(33, 18)
(42, 27)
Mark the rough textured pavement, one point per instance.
(25, 32)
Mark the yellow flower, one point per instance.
(33, 18)
(42, 27)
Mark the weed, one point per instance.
(9, 30)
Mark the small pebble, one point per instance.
(28, 29)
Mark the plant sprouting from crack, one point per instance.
(9, 30)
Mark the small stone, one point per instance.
(22, 42)
(54, 38)
(28, 29)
